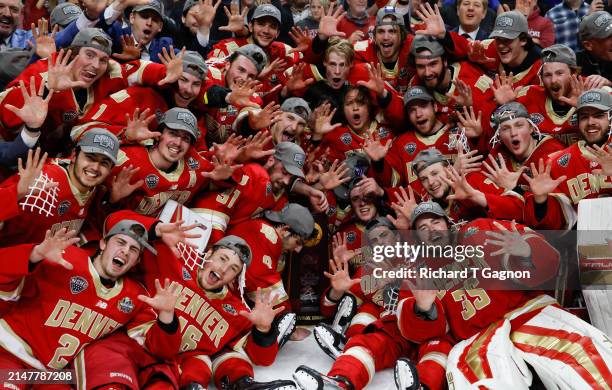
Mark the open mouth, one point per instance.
(503, 52)
(88, 75)
(91, 174)
(174, 150)
(421, 122)
(555, 88)
(364, 210)
(516, 143)
(336, 80)
(287, 136)
(118, 262)
(146, 32)
(6, 22)
(213, 277)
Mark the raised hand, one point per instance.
(596, 81)
(35, 108)
(577, 87)
(301, 39)
(340, 249)
(59, 73)
(137, 129)
(255, 147)
(318, 200)
(235, 19)
(596, 5)
(52, 248)
(173, 233)
(29, 172)
(503, 89)
(464, 94)
(462, 190)
(130, 50)
(434, 23)
(322, 124)
(278, 65)
(164, 300)
(174, 65)
(328, 25)
(241, 95)
(602, 156)
(121, 187)
(375, 82)
(265, 117)
(524, 6)
(467, 162)
(369, 186)
(335, 176)
(262, 315)
(296, 81)
(222, 170)
(477, 53)
(470, 122)
(405, 205)
(374, 148)
(339, 278)
(205, 12)
(356, 36)
(542, 183)
(230, 149)
(499, 174)
(93, 8)
(44, 43)
(510, 242)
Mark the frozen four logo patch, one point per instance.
(78, 284)
(125, 305)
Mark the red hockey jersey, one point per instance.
(343, 141)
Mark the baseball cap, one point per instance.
(292, 157)
(426, 158)
(358, 165)
(188, 4)
(596, 98)
(238, 245)
(509, 25)
(428, 207)
(12, 62)
(100, 141)
(193, 63)
(507, 112)
(597, 25)
(264, 10)
(417, 93)
(95, 38)
(64, 13)
(559, 53)
(178, 118)
(255, 54)
(296, 216)
(297, 106)
(154, 5)
(389, 11)
(130, 228)
(422, 43)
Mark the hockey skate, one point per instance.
(347, 308)
(310, 379)
(248, 383)
(285, 325)
(406, 375)
(329, 340)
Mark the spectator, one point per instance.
(357, 24)
(311, 23)
(596, 37)
(10, 35)
(566, 18)
(541, 29)
(63, 14)
(471, 14)
(299, 9)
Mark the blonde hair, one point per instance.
(342, 47)
(485, 3)
(324, 3)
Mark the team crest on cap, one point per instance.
(193, 163)
(125, 305)
(299, 159)
(69, 116)
(564, 160)
(63, 207)
(536, 118)
(346, 138)
(104, 141)
(504, 21)
(186, 274)
(152, 180)
(415, 91)
(410, 148)
(186, 118)
(591, 97)
(78, 284)
(229, 309)
(602, 19)
(351, 237)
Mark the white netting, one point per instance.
(459, 138)
(191, 257)
(40, 198)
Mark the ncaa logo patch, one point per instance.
(186, 274)
(229, 309)
(346, 138)
(504, 21)
(125, 305)
(470, 231)
(410, 148)
(78, 284)
(193, 163)
(382, 132)
(331, 211)
(573, 121)
(602, 19)
(351, 237)
(152, 180)
(63, 207)
(564, 160)
(536, 118)
(268, 188)
(70, 116)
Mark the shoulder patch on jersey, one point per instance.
(410, 147)
(564, 160)
(120, 96)
(121, 157)
(186, 274)
(573, 120)
(63, 207)
(125, 305)
(536, 118)
(193, 163)
(346, 138)
(78, 284)
(483, 83)
(361, 45)
(229, 309)
(351, 237)
(470, 231)
(152, 180)
(523, 91)
(382, 132)
(215, 73)
(114, 69)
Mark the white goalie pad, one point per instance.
(595, 260)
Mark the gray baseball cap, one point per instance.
(292, 156)
(94, 38)
(100, 141)
(193, 63)
(255, 54)
(510, 25)
(238, 245)
(188, 4)
(154, 5)
(297, 106)
(428, 207)
(264, 10)
(596, 98)
(378, 222)
(423, 43)
(12, 62)
(383, 13)
(597, 25)
(417, 93)
(426, 158)
(297, 217)
(178, 118)
(358, 165)
(559, 53)
(64, 13)
(507, 112)
(133, 229)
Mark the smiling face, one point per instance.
(264, 31)
(363, 206)
(388, 41)
(556, 78)
(221, 267)
(89, 65)
(145, 25)
(594, 125)
(432, 229)
(288, 128)
(430, 70)
(89, 170)
(471, 13)
(430, 179)
(188, 89)
(337, 68)
(239, 71)
(173, 145)
(119, 254)
(515, 134)
(357, 110)
(511, 51)
(422, 116)
(9, 16)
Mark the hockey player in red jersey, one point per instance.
(568, 177)
(73, 299)
(508, 327)
(77, 178)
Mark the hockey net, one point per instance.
(42, 196)
(191, 257)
